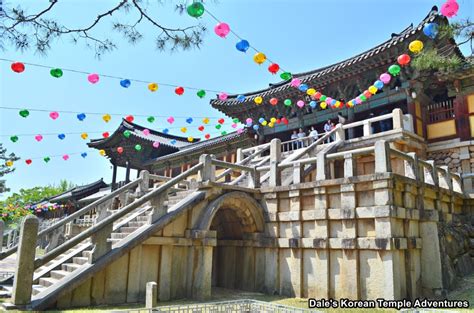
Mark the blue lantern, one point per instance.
(61, 136)
(189, 120)
(303, 87)
(378, 84)
(255, 127)
(242, 45)
(313, 104)
(83, 154)
(165, 131)
(81, 116)
(125, 83)
(431, 30)
(173, 142)
(241, 98)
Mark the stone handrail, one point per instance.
(76, 214)
(397, 117)
(210, 164)
(102, 229)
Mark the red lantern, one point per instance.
(403, 59)
(317, 95)
(278, 121)
(274, 68)
(18, 67)
(273, 101)
(119, 150)
(367, 94)
(201, 128)
(28, 161)
(179, 91)
(129, 118)
(220, 121)
(207, 136)
(284, 120)
(105, 134)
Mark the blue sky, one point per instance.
(299, 35)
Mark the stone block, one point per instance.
(151, 295)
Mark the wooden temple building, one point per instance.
(441, 105)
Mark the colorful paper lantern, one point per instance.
(170, 120)
(403, 59)
(241, 98)
(56, 72)
(195, 9)
(84, 136)
(153, 87)
(24, 113)
(54, 115)
(222, 96)
(221, 121)
(274, 101)
(84, 155)
(93, 78)
(127, 133)
(138, 147)
(242, 45)
(179, 91)
(106, 117)
(287, 102)
(379, 84)
(18, 67)
(65, 157)
(207, 136)
(431, 30)
(125, 83)
(46, 159)
(300, 103)
(450, 8)
(184, 129)
(385, 78)
(119, 150)
(258, 100)
(394, 69)
(38, 138)
(102, 152)
(28, 161)
(222, 29)
(61, 136)
(323, 105)
(310, 91)
(190, 139)
(259, 58)
(295, 82)
(274, 68)
(285, 75)
(156, 144)
(201, 128)
(105, 134)
(130, 118)
(189, 120)
(81, 116)
(150, 119)
(14, 138)
(205, 120)
(415, 46)
(201, 93)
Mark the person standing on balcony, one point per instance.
(327, 129)
(293, 137)
(314, 133)
(301, 135)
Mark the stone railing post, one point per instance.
(412, 167)
(254, 178)
(298, 173)
(367, 128)
(239, 155)
(445, 179)
(275, 159)
(144, 184)
(2, 227)
(23, 282)
(321, 166)
(158, 207)
(397, 117)
(151, 297)
(349, 165)
(433, 173)
(382, 157)
(208, 171)
(340, 134)
(101, 245)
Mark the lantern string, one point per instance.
(111, 76)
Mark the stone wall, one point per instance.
(450, 158)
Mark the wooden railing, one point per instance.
(440, 111)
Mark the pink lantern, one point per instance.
(240, 131)
(156, 144)
(222, 29)
(170, 119)
(93, 78)
(54, 115)
(450, 8)
(222, 96)
(146, 132)
(65, 157)
(295, 82)
(38, 138)
(385, 78)
(234, 125)
(300, 103)
(249, 120)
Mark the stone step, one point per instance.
(80, 260)
(142, 218)
(37, 289)
(119, 235)
(128, 230)
(113, 240)
(136, 224)
(58, 274)
(47, 281)
(70, 267)
(86, 253)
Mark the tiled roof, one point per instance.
(318, 75)
(78, 191)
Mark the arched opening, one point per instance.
(237, 220)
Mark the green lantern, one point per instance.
(323, 98)
(138, 147)
(150, 119)
(218, 126)
(201, 93)
(47, 159)
(394, 69)
(14, 138)
(56, 72)
(24, 113)
(286, 75)
(287, 102)
(195, 9)
(127, 133)
(224, 133)
(236, 120)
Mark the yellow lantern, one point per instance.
(273, 120)
(205, 120)
(183, 129)
(102, 152)
(106, 117)
(190, 139)
(9, 163)
(84, 136)
(373, 89)
(415, 46)
(311, 91)
(258, 100)
(323, 105)
(270, 124)
(264, 123)
(153, 87)
(338, 104)
(259, 58)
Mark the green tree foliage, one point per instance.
(13, 209)
(4, 169)
(431, 59)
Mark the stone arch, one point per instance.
(246, 208)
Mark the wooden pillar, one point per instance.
(462, 118)
(127, 173)
(114, 177)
